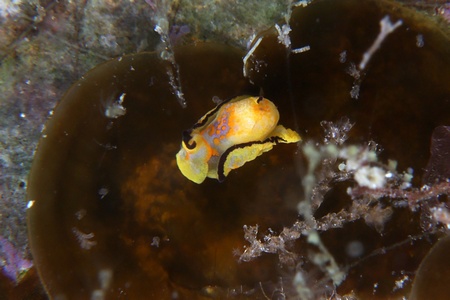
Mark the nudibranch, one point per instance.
(233, 133)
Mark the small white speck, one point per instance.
(28, 81)
(354, 249)
(343, 56)
(30, 204)
(102, 192)
(23, 116)
(419, 40)
(155, 242)
(375, 287)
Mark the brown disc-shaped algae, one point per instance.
(433, 275)
(111, 215)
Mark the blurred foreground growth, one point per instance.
(375, 189)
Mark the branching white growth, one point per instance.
(247, 56)
(370, 181)
(336, 132)
(386, 27)
(327, 262)
(84, 239)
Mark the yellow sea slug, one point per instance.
(233, 133)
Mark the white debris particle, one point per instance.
(386, 27)
(354, 92)
(441, 215)
(30, 204)
(250, 41)
(102, 192)
(247, 56)
(98, 295)
(343, 56)
(336, 132)
(407, 177)
(399, 284)
(353, 71)
(105, 277)
(389, 175)
(354, 249)
(283, 34)
(419, 40)
(302, 3)
(80, 214)
(115, 109)
(301, 50)
(375, 287)
(23, 116)
(84, 239)
(371, 177)
(155, 241)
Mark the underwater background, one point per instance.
(125, 223)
